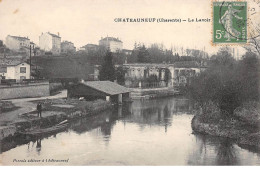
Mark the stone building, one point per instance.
(138, 74)
(90, 48)
(114, 44)
(144, 75)
(16, 42)
(50, 43)
(67, 47)
(15, 69)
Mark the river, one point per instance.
(151, 132)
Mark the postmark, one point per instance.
(230, 22)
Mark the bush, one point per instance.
(249, 112)
(227, 83)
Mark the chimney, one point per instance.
(58, 33)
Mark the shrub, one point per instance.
(227, 83)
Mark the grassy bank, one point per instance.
(7, 106)
(242, 125)
(57, 110)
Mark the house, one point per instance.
(15, 69)
(114, 44)
(67, 47)
(92, 90)
(91, 48)
(16, 42)
(50, 43)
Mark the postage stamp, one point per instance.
(230, 22)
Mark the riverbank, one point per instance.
(243, 126)
(54, 111)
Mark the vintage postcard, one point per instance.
(129, 83)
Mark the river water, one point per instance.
(151, 132)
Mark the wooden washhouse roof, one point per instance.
(108, 87)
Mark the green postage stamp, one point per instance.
(229, 22)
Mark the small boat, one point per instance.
(41, 131)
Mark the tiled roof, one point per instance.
(53, 35)
(110, 39)
(107, 87)
(187, 64)
(10, 62)
(19, 37)
(147, 65)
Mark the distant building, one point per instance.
(67, 47)
(50, 43)
(127, 52)
(114, 44)
(1, 43)
(17, 42)
(90, 48)
(15, 70)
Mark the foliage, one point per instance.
(120, 75)
(143, 55)
(249, 112)
(152, 79)
(227, 83)
(107, 71)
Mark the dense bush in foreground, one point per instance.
(227, 83)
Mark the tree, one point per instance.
(227, 83)
(107, 71)
(120, 75)
(143, 55)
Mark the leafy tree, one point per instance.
(143, 55)
(120, 75)
(107, 71)
(227, 83)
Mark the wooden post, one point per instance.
(120, 99)
(108, 98)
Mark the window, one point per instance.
(22, 69)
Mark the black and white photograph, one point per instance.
(129, 83)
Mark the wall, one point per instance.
(12, 43)
(45, 42)
(15, 44)
(7, 131)
(113, 45)
(56, 45)
(22, 91)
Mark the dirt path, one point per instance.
(26, 106)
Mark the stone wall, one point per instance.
(7, 131)
(22, 91)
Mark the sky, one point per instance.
(86, 21)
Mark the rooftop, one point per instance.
(147, 65)
(10, 62)
(110, 39)
(108, 87)
(186, 64)
(19, 37)
(53, 35)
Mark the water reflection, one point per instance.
(153, 132)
